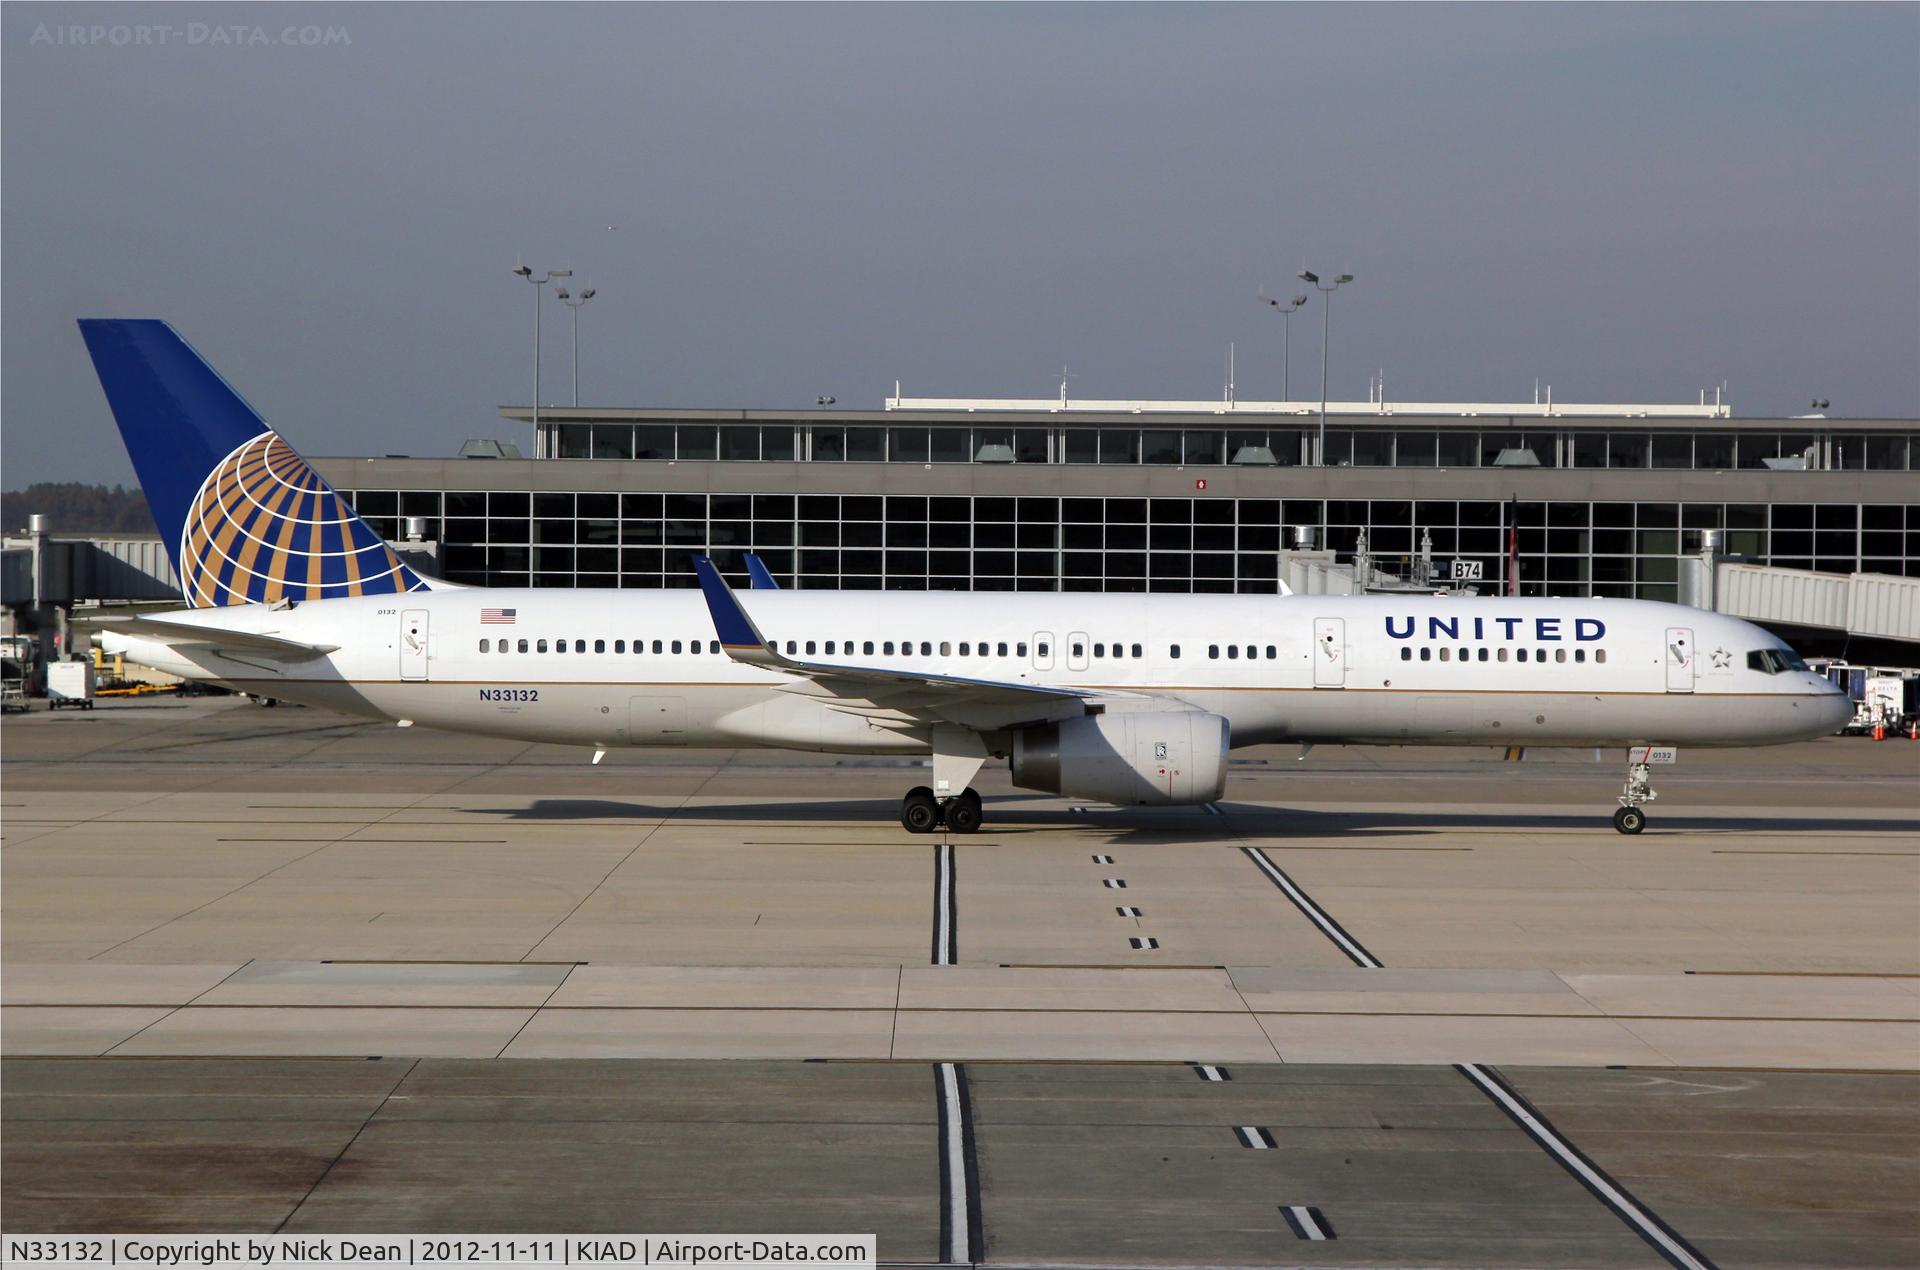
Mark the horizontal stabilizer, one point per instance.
(186, 635)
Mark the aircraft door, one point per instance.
(413, 644)
(1679, 659)
(1043, 650)
(1329, 652)
(1077, 650)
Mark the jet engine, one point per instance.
(1174, 756)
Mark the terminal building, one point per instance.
(1169, 496)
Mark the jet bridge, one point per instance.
(1874, 606)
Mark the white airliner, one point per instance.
(1122, 699)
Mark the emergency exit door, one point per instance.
(413, 644)
(1329, 652)
(1679, 659)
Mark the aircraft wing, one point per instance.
(883, 693)
(190, 635)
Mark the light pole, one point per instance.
(575, 302)
(1326, 329)
(539, 282)
(1286, 312)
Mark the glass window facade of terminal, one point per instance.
(1374, 446)
(1216, 544)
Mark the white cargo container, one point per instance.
(70, 683)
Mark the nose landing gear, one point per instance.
(1630, 819)
(920, 812)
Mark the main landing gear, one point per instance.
(920, 812)
(1630, 819)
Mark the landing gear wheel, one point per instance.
(962, 813)
(918, 812)
(1629, 820)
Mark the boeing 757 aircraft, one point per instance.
(1124, 699)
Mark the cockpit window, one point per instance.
(1774, 661)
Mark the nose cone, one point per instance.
(1832, 708)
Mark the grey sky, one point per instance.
(1629, 202)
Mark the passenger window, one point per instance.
(1003, 650)
(1213, 651)
(542, 646)
(657, 647)
(1559, 654)
(599, 645)
(888, 647)
(1426, 654)
(966, 648)
(1272, 652)
(792, 648)
(485, 646)
(1078, 650)
(1253, 651)
(1483, 654)
(1099, 650)
(1046, 650)
(1233, 652)
(926, 649)
(579, 645)
(1173, 652)
(523, 645)
(1446, 654)
(503, 645)
(1022, 649)
(619, 645)
(559, 645)
(1501, 655)
(1406, 654)
(1520, 654)
(868, 647)
(831, 646)
(713, 646)
(1136, 650)
(809, 648)
(1579, 654)
(946, 649)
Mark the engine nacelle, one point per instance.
(1174, 756)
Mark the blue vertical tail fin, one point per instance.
(245, 519)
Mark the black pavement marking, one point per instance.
(1315, 914)
(1254, 1136)
(946, 914)
(1663, 1238)
(962, 1232)
(1145, 941)
(1209, 1072)
(1307, 1222)
(1114, 884)
(1126, 910)
(1103, 859)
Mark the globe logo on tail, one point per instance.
(264, 526)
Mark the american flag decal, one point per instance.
(497, 617)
